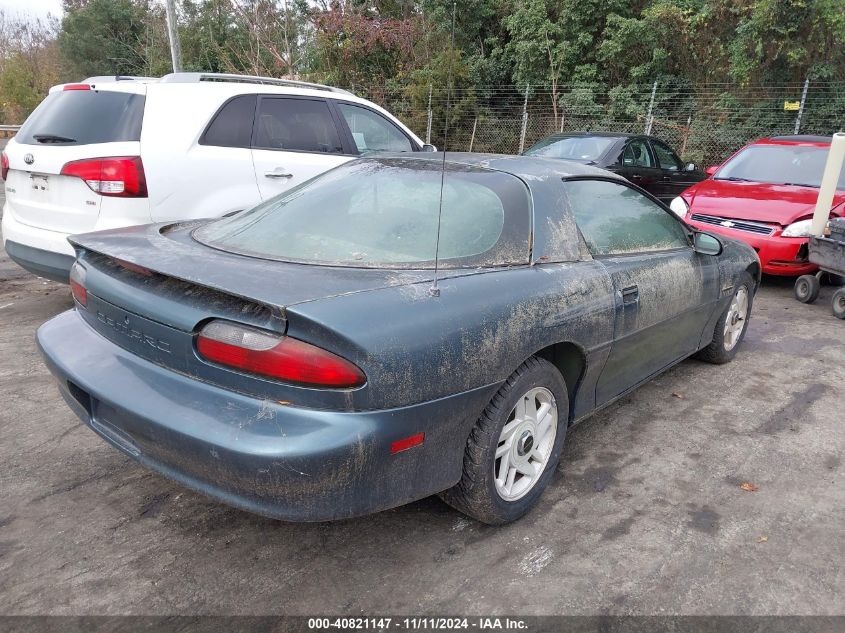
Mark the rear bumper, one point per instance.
(42, 263)
(259, 455)
(45, 253)
(785, 256)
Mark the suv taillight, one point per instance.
(121, 176)
(77, 284)
(5, 161)
(273, 355)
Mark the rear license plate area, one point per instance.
(39, 182)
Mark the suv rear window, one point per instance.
(84, 117)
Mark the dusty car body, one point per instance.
(128, 362)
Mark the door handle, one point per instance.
(667, 178)
(636, 177)
(630, 295)
(278, 173)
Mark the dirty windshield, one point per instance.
(383, 213)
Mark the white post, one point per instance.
(428, 127)
(830, 178)
(472, 138)
(524, 121)
(648, 117)
(173, 36)
(801, 107)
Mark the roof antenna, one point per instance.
(434, 291)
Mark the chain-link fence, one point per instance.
(704, 124)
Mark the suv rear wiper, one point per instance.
(53, 138)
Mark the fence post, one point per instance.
(686, 137)
(524, 121)
(648, 117)
(801, 107)
(472, 138)
(428, 127)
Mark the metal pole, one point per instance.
(686, 137)
(428, 127)
(801, 107)
(524, 121)
(472, 138)
(648, 117)
(173, 36)
(830, 176)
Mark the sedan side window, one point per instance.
(636, 154)
(372, 132)
(303, 125)
(666, 157)
(618, 220)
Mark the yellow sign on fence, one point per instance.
(791, 106)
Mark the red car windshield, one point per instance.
(798, 165)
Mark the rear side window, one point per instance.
(666, 157)
(303, 125)
(617, 220)
(84, 117)
(372, 132)
(636, 155)
(232, 127)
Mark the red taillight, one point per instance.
(5, 162)
(77, 284)
(121, 176)
(281, 357)
(77, 87)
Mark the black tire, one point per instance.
(718, 351)
(838, 303)
(475, 494)
(807, 288)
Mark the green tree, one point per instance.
(104, 37)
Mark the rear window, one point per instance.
(383, 213)
(84, 117)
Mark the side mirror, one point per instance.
(691, 167)
(707, 244)
(428, 147)
(711, 170)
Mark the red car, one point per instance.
(765, 195)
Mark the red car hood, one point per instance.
(781, 204)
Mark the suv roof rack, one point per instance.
(248, 79)
(112, 78)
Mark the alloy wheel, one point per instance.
(525, 444)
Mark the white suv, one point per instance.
(113, 152)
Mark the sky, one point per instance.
(35, 8)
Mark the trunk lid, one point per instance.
(152, 288)
(170, 251)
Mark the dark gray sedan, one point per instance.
(355, 344)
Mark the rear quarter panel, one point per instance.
(414, 347)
